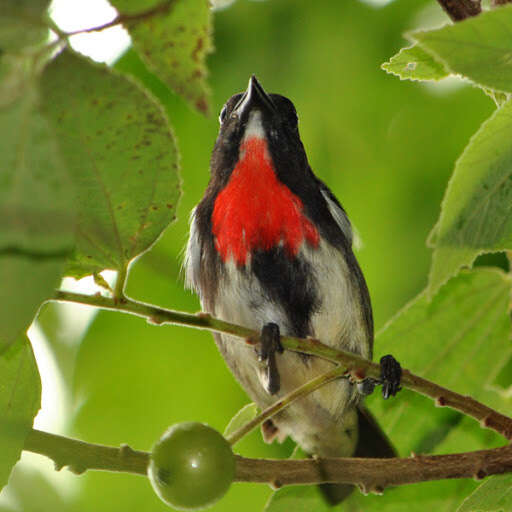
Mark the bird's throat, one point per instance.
(255, 211)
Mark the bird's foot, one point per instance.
(270, 344)
(390, 375)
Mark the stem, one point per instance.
(284, 402)
(371, 475)
(459, 10)
(120, 284)
(357, 367)
(125, 19)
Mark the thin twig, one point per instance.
(355, 365)
(125, 19)
(284, 402)
(371, 475)
(459, 10)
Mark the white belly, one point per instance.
(325, 421)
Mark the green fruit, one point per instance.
(191, 466)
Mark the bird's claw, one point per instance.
(270, 344)
(390, 374)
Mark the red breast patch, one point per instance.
(256, 211)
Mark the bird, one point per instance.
(270, 248)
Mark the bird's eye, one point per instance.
(222, 115)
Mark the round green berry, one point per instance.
(191, 466)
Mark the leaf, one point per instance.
(299, 498)
(37, 228)
(247, 413)
(452, 340)
(493, 495)
(479, 48)
(414, 63)
(20, 399)
(476, 210)
(122, 156)
(21, 23)
(174, 42)
(442, 496)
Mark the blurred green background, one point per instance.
(385, 147)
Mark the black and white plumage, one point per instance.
(270, 244)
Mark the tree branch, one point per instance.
(357, 367)
(374, 475)
(459, 10)
(371, 475)
(80, 456)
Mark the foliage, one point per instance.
(90, 182)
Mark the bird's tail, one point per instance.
(372, 443)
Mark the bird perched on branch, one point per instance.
(270, 248)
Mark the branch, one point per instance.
(374, 475)
(459, 10)
(80, 456)
(124, 19)
(357, 367)
(371, 475)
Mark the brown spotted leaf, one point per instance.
(121, 155)
(173, 38)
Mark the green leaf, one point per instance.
(442, 496)
(37, 228)
(174, 42)
(414, 63)
(494, 495)
(20, 399)
(22, 24)
(476, 210)
(122, 156)
(452, 340)
(27, 281)
(247, 413)
(479, 48)
(299, 498)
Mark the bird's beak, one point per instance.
(254, 98)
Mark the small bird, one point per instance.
(270, 248)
